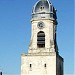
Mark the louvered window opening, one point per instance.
(41, 39)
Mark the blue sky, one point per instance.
(15, 33)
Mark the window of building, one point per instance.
(45, 65)
(30, 67)
(42, 7)
(41, 39)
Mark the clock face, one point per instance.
(40, 25)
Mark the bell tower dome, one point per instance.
(44, 9)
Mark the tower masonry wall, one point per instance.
(59, 65)
(38, 64)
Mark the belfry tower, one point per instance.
(43, 57)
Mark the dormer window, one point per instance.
(42, 7)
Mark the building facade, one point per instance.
(43, 57)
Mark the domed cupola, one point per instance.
(44, 9)
(41, 7)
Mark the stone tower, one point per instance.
(43, 57)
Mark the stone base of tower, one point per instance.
(41, 64)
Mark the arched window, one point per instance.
(41, 39)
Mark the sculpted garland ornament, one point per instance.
(40, 25)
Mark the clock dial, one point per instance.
(40, 25)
